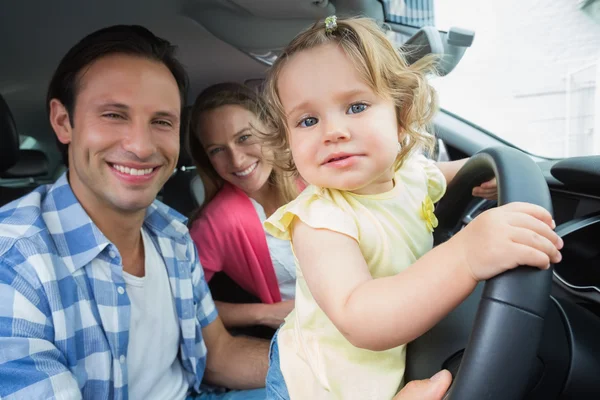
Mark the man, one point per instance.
(101, 292)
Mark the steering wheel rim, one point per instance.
(508, 324)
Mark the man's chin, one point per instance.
(133, 204)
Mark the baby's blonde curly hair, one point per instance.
(383, 68)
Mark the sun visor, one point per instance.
(252, 33)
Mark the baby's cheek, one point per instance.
(302, 152)
(303, 168)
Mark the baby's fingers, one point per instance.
(533, 224)
(488, 194)
(541, 251)
(534, 210)
(526, 255)
(490, 184)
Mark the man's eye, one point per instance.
(113, 116)
(308, 122)
(357, 108)
(163, 123)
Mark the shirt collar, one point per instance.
(79, 241)
(165, 221)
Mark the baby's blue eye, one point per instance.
(357, 108)
(308, 122)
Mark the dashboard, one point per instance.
(580, 268)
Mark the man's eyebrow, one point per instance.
(112, 104)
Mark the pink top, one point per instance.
(230, 238)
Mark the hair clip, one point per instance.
(330, 24)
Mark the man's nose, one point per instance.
(139, 141)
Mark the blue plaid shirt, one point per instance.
(64, 325)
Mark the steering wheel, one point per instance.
(506, 312)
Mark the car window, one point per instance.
(531, 75)
(410, 12)
(28, 142)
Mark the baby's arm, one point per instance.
(487, 190)
(379, 314)
(450, 168)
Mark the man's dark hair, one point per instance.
(119, 39)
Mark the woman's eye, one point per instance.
(357, 108)
(308, 122)
(243, 138)
(214, 151)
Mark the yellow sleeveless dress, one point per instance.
(393, 230)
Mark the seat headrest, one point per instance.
(9, 138)
(31, 164)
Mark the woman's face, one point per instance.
(232, 147)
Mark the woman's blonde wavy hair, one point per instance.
(383, 68)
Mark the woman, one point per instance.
(241, 190)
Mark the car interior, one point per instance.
(523, 335)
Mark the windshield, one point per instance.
(530, 76)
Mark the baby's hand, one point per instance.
(488, 190)
(508, 236)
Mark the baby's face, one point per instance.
(342, 134)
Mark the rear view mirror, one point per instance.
(448, 46)
(591, 8)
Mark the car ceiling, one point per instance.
(212, 36)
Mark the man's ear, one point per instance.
(59, 119)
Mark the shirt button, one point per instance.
(112, 254)
(122, 359)
(121, 291)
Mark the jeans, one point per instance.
(254, 394)
(276, 388)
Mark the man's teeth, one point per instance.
(132, 171)
(247, 170)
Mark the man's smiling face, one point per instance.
(124, 141)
